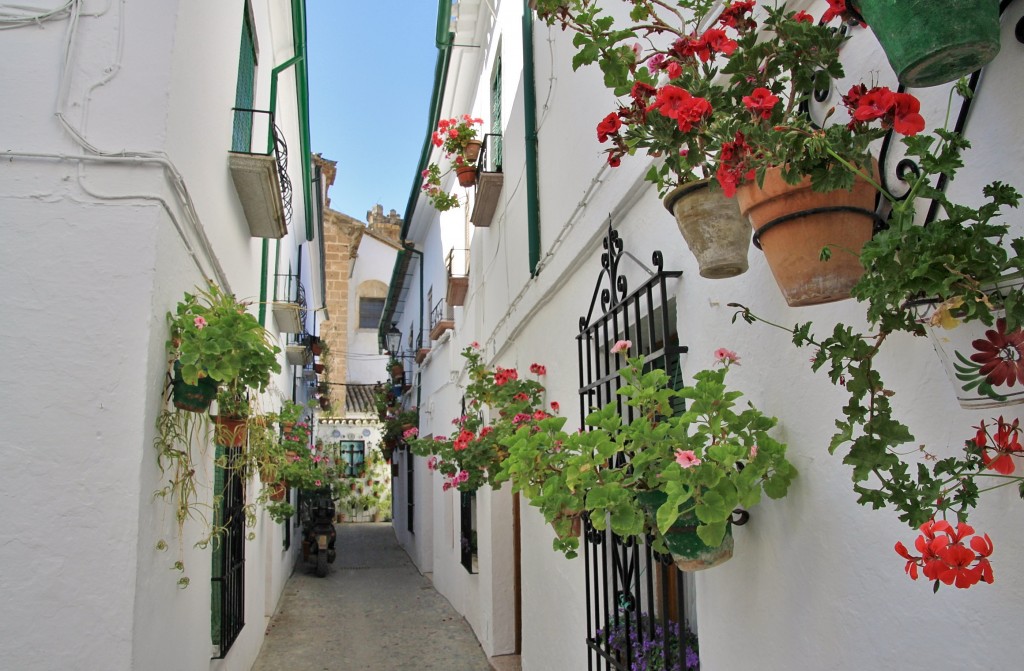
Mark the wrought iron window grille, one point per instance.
(631, 590)
(228, 579)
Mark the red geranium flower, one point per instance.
(735, 13)
(608, 126)
(1001, 356)
(906, 110)
(761, 102)
(874, 104)
(944, 557)
(1005, 445)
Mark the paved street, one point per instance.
(373, 612)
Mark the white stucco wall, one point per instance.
(94, 254)
(814, 583)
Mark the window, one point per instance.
(370, 310)
(228, 567)
(353, 453)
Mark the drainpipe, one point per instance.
(302, 95)
(530, 103)
(443, 41)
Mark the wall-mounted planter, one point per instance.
(466, 175)
(985, 364)
(933, 43)
(192, 398)
(792, 224)
(421, 354)
(714, 230)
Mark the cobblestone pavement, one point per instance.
(372, 612)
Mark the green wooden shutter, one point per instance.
(495, 147)
(241, 136)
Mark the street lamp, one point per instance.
(394, 340)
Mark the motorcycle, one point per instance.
(318, 532)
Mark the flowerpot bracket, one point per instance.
(878, 225)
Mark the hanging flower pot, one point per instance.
(792, 224)
(472, 151)
(318, 367)
(932, 45)
(466, 175)
(316, 346)
(713, 228)
(689, 552)
(193, 398)
(230, 431)
(985, 364)
(325, 403)
(397, 371)
(279, 491)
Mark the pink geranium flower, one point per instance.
(200, 323)
(687, 458)
(621, 346)
(726, 356)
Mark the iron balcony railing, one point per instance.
(490, 155)
(457, 262)
(246, 118)
(441, 316)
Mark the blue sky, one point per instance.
(371, 72)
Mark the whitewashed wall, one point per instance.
(93, 255)
(815, 582)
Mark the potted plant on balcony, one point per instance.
(730, 102)
(457, 138)
(214, 340)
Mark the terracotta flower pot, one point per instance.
(472, 151)
(952, 38)
(792, 224)
(230, 431)
(466, 175)
(280, 491)
(713, 228)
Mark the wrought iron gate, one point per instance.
(636, 598)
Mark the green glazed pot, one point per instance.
(689, 552)
(934, 42)
(193, 398)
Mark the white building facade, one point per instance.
(140, 163)
(814, 582)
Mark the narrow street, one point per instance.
(372, 612)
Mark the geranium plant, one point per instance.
(473, 455)
(956, 264)
(724, 95)
(706, 460)
(457, 139)
(213, 336)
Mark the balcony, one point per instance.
(458, 277)
(442, 318)
(289, 304)
(489, 180)
(296, 351)
(261, 179)
(421, 350)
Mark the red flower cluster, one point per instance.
(736, 14)
(608, 127)
(732, 165)
(713, 41)
(838, 8)
(677, 103)
(944, 557)
(761, 102)
(1005, 445)
(538, 369)
(462, 441)
(505, 375)
(899, 111)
